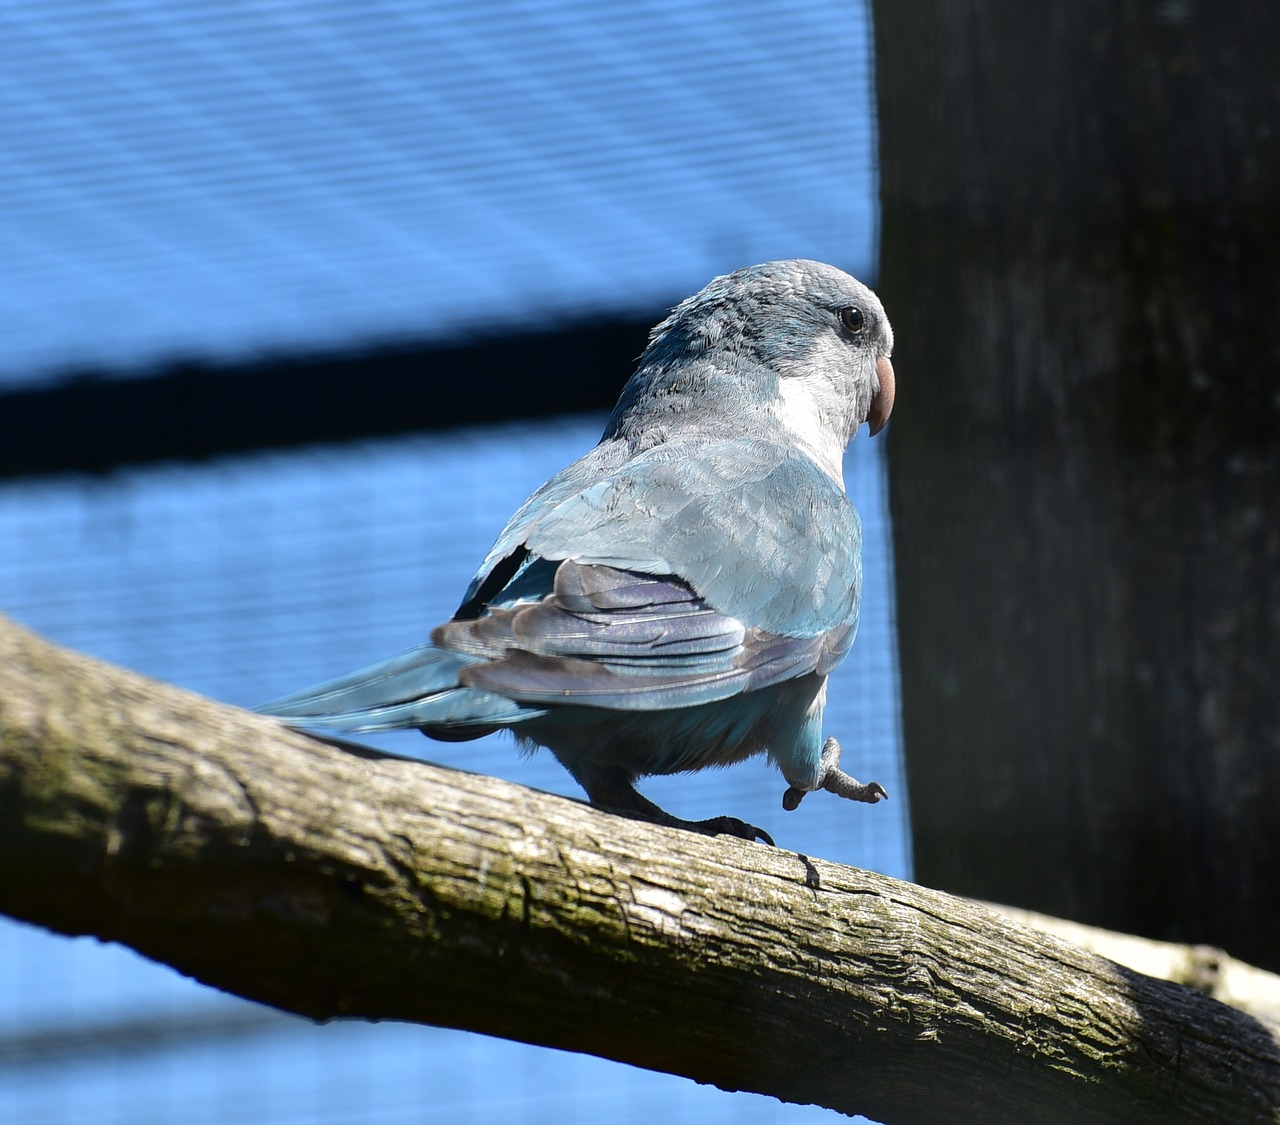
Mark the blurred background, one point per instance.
(298, 301)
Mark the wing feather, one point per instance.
(612, 638)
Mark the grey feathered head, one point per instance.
(798, 341)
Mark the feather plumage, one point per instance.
(676, 597)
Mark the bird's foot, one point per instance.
(834, 780)
(723, 826)
(614, 793)
(713, 826)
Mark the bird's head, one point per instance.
(798, 343)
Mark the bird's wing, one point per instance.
(753, 528)
(620, 640)
(690, 573)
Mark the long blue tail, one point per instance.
(417, 688)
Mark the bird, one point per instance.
(676, 598)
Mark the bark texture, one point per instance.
(1081, 224)
(1203, 967)
(331, 882)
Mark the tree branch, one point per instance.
(331, 882)
(1205, 968)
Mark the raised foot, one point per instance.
(834, 780)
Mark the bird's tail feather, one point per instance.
(417, 688)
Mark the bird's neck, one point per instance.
(802, 411)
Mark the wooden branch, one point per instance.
(1205, 968)
(334, 883)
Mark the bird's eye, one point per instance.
(852, 318)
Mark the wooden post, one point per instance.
(1081, 231)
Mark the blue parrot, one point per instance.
(675, 598)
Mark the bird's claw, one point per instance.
(621, 798)
(834, 780)
(728, 826)
(712, 826)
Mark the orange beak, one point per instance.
(882, 404)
